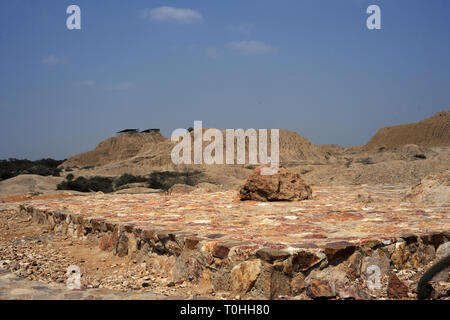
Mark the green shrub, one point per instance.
(166, 179)
(157, 180)
(82, 184)
(14, 167)
(128, 178)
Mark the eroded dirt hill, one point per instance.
(431, 132)
(153, 150)
(399, 154)
(116, 148)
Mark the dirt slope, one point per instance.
(141, 154)
(28, 183)
(431, 132)
(116, 148)
(153, 150)
(400, 161)
(390, 167)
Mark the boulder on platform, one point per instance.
(285, 185)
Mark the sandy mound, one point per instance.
(383, 168)
(181, 189)
(401, 154)
(120, 147)
(207, 187)
(434, 131)
(153, 151)
(412, 151)
(141, 154)
(433, 189)
(294, 147)
(28, 184)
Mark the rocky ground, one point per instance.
(35, 261)
(32, 253)
(14, 287)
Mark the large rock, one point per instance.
(298, 283)
(244, 275)
(106, 243)
(283, 185)
(305, 260)
(377, 258)
(271, 284)
(187, 267)
(318, 289)
(329, 280)
(433, 189)
(442, 251)
(396, 288)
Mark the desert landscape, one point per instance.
(224, 159)
(140, 227)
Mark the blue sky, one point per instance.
(308, 66)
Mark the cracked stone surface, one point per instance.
(335, 214)
(214, 243)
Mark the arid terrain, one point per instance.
(393, 155)
(386, 203)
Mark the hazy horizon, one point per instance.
(311, 67)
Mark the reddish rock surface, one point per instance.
(106, 243)
(281, 186)
(396, 288)
(258, 248)
(22, 198)
(339, 250)
(318, 289)
(333, 216)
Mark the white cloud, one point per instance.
(53, 60)
(171, 14)
(251, 47)
(213, 52)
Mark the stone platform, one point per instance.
(261, 249)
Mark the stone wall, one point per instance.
(337, 269)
